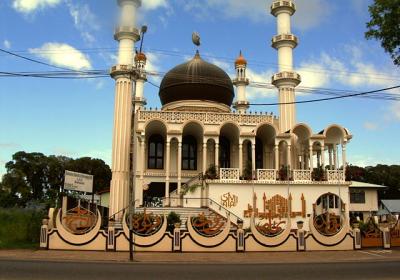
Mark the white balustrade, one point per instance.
(266, 174)
(205, 117)
(302, 175)
(229, 173)
(336, 175)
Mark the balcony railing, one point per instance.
(335, 175)
(266, 174)
(301, 175)
(263, 175)
(229, 173)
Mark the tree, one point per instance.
(36, 177)
(96, 167)
(385, 26)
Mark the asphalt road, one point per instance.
(115, 271)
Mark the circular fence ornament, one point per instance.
(145, 224)
(79, 220)
(328, 214)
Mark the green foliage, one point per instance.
(284, 173)
(20, 228)
(190, 189)
(386, 175)
(385, 26)
(172, 219)
(211, 172)
(318, 174)
(247, 172)
(36, 177)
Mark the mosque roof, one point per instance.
(197, 80)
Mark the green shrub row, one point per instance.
(20, 228)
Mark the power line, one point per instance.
(39, 62)
(324, 99)
(253, 62)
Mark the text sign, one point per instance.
(75, 181)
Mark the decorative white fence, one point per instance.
(302, 175)
(266, 174)
(229, 173)
(335, 175)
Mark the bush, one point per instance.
(172, 219)
(20, 228)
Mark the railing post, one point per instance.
(111, 239)
(177, 238)
(44, 237)
(301, 241)
(357, 237)
(386, 237)
(240, 238)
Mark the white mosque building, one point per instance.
(203, 127)
(206, 157)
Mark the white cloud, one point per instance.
(154, 4)
(153, 65)
(370, 126)
(310, 13)
(84, 19)
(7, 44)
(63, 55)
(29, 6)
(394, 110)
(353, 72)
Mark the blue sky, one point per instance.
(74, 117)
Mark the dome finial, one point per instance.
(196, 39)
(241, 60)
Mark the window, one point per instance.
(189, 153)
(224, 153)
(357, 196)
(155, 159)
(259, 154)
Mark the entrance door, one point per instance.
(153, 196)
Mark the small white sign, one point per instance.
(75, 181)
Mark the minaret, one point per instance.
(126, 34)
(241, 82)
(140, 63)
(286, 80)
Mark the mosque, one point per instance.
(241, 181)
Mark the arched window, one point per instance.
(155, 158)
(224, 153)
(189, 153)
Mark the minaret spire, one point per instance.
(286, 80)
(241, 82)
(127, 35)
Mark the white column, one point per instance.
(216, 161)
(330, 156)
(167, 171)
(344, 157)
(323, 157)
(289, 157)
(204, 157)
(241, 158)
(335, 167)
(179, 169)
(276, 152)
(253, 157)
(311, 158)
(119, 190)
(143, 157)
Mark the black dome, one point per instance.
(196, 80)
